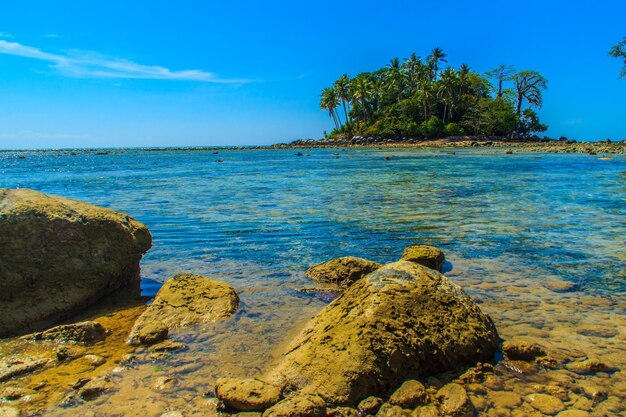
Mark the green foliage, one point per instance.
(453, 129)
(619, 51)
(433, 127)
(529, 123)
(417, 97)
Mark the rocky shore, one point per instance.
(400, 339)
(562, 145)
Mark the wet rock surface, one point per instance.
(523, 350)
(60, 255)
(246, 394)
(403, 320)
(428, 256)
(342, 271)
(298, 405)
(185, 300)
(83, 332)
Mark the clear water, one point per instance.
(509, 225)
(268, 214)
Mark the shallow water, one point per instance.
(509, 224)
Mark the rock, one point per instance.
(185, 300)
(12, 393)
(370, 405)
(247, 394)
(60, 255)
(573, 413)
(6, 411)
(164, 383)
(342, 271)
(596, 330)
(428, 256)
(401, 321)
(83, 332)
(589, 366)
(426, 411)
(298, 405)
(505, 399)
(389, 410)
(149, 333)
(562, 286)
(410, 394)
(69, 352)
(343, 412)
(94, 388)
(522, 350)
(12, 367)
(94, 360)
(547, 404)
(454, 401)
(167, 345)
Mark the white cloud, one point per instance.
(6, 35)
(80, 64)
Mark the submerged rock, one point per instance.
(522, 350)
(83, 332)
(298, 405)
(60, 255)
(247, 394)
(410, 394)
(12, 367)
(402, 321)
(428, 256)
(185, 300)
(95, 387)
(454, 401)
(342, 271)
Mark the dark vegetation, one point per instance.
(619, 51)
(418, 97)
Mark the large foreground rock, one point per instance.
(185, 300)
(401, 321)
(60, 255)
(342, 271)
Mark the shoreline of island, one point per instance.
(561, 145)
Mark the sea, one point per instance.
(513, 228)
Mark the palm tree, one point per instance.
(501, 74)
(446, 89)
(434, 59)
(330, 102)
(342, 87)
(528, 85)
(395, 78)
(362, 89)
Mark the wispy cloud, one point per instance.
(572, 122)
(81, 64)
(6, 35)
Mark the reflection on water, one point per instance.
(509, 225)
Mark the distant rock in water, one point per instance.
(60, 255)
(429, 256)
(402, 321)
(342, 271)
(185, 300)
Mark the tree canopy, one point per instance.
(420, 97)
(619, 51)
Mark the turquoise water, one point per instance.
(268, 214)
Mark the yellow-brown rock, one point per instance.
(402, 321)
(342, 271)
(60, 255)
(185, 300)
(428, 256)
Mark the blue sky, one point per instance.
(162, 73)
